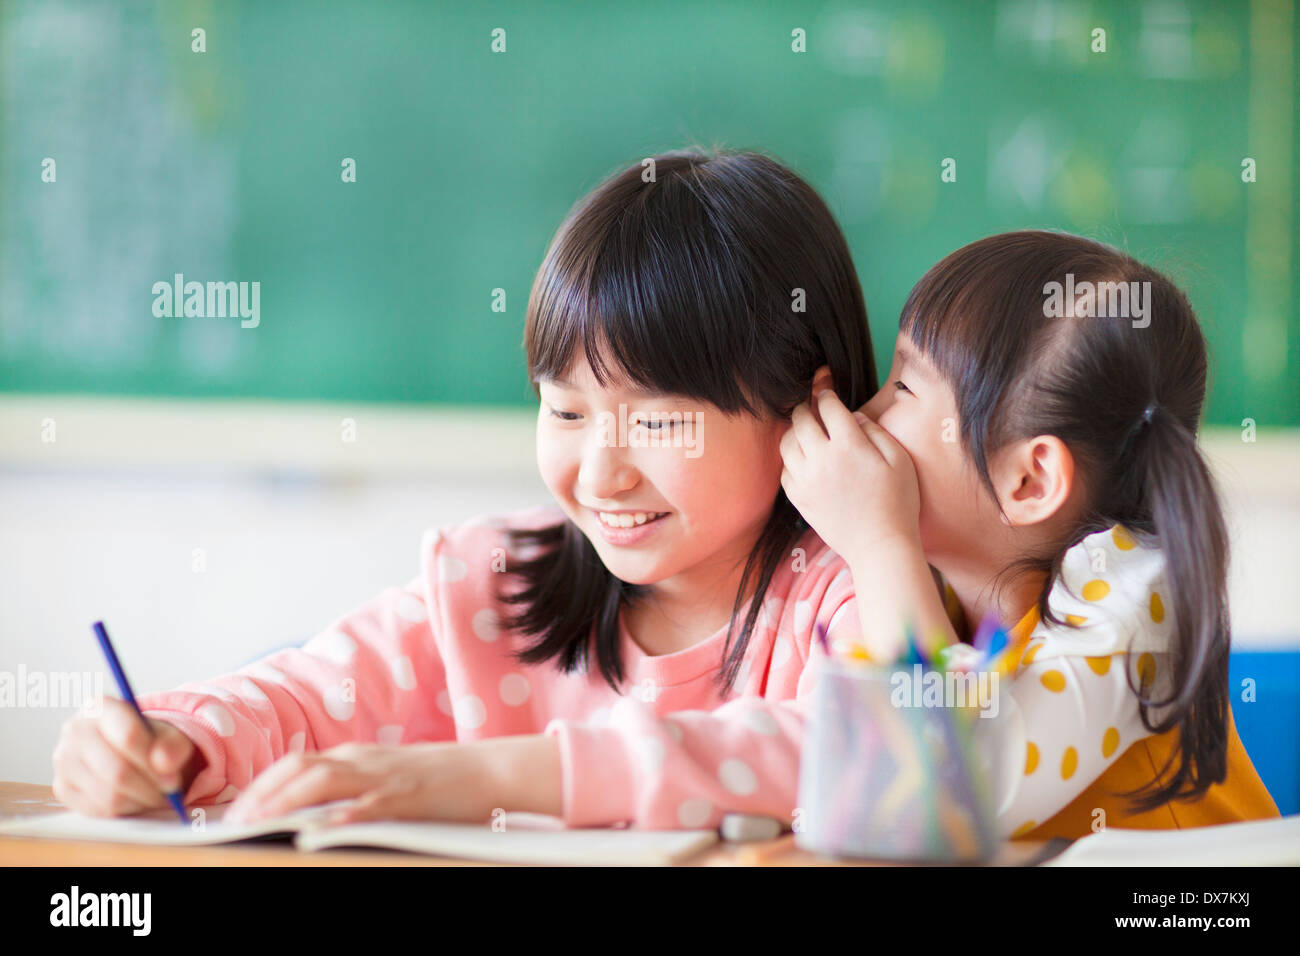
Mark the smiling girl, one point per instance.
(1048, 467)
(642, 653)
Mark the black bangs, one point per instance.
(722, 280)
(677, 315)
(646, 312)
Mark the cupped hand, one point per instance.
(850, 479)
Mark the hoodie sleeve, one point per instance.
(686, 769)
(373, 675)
(1069, 712)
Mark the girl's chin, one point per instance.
(632, 568)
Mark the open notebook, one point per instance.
(524, 838)
(1252, 843)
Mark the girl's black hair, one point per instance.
(1125, 397)
(723, 278)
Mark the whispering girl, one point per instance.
(1045, 462)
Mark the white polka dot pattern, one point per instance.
(429, 661)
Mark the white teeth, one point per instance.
(627, 520)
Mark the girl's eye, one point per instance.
(899, 386)
(657, 424)
(562, 415)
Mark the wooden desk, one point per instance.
(24, 798)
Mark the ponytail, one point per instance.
(1184, 510)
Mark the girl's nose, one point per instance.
(605, 472)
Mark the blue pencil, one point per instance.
(124, 686)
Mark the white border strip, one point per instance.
(390, 440)
(405, 439)
(1260, 480)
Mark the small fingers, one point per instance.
(839, 421)
(324, 781)
(265, 784)
(118, 777)
(120, 729)
(298, 780)
(806, 429)
(96, 794)
(168, 753)
(368, 806)
(91, 777)
(791, 452)
(884, 442)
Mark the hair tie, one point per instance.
(1142, 421)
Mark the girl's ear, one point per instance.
(1035, 480)
(821, 379)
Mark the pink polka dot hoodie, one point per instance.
(428, 662)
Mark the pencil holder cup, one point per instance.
(884, 776)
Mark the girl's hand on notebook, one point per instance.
(108, 766)
(850, 480)
(433, 781)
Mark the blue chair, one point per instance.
(1269, 727)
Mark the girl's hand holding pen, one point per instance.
(109, 766)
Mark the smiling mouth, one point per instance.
(628, 519)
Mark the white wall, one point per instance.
(298, 527)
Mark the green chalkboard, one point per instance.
(227, 165)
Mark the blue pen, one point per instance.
(122, 685)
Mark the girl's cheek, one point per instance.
(688, 484)
(553, 461)
(666, 477)
(743, 479)
(924, 432)
(904, 429)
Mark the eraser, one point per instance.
(747, 827)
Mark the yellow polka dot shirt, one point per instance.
(1068, 735)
